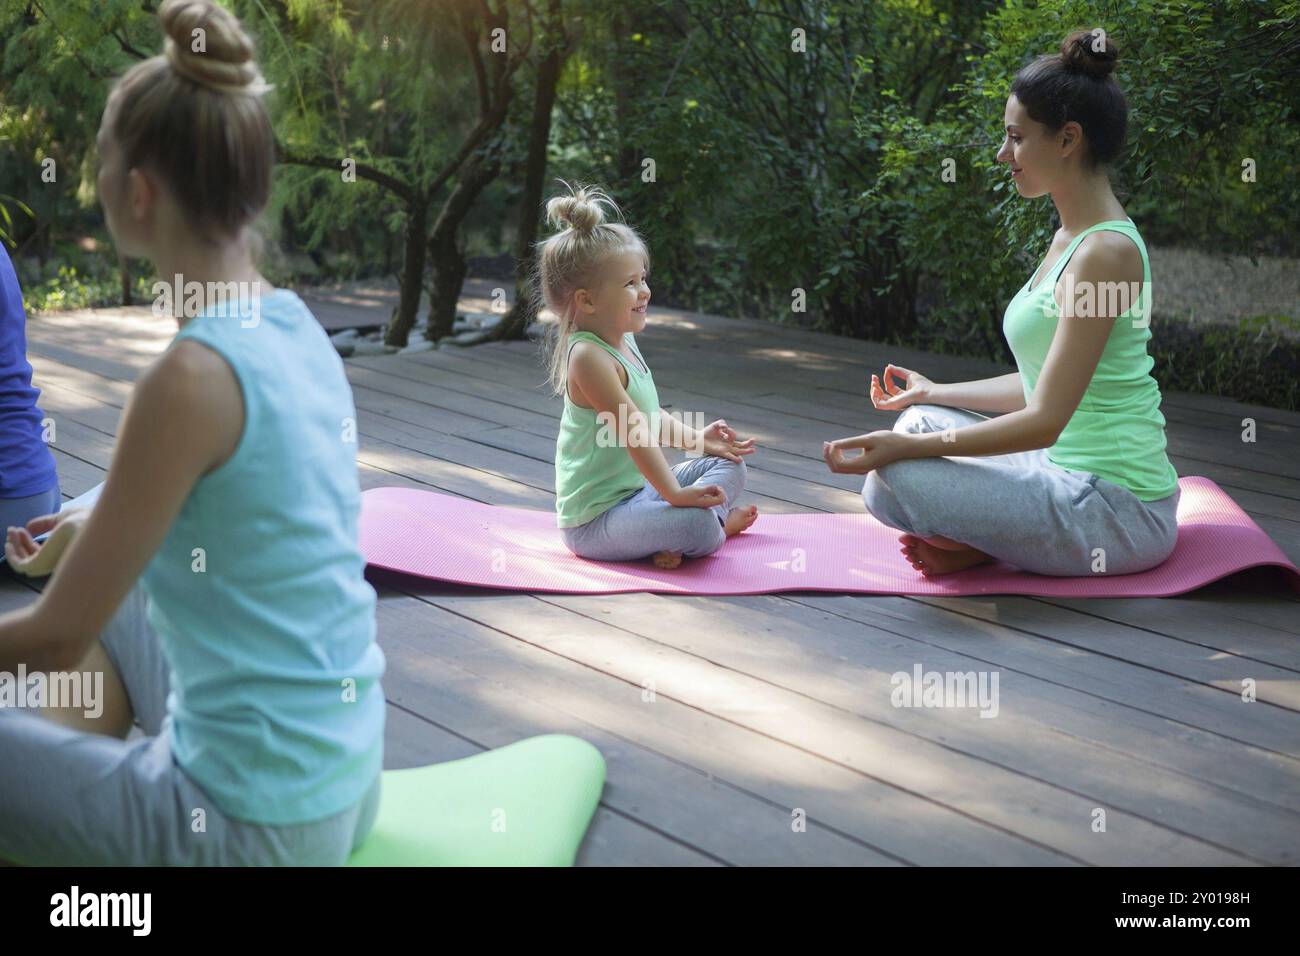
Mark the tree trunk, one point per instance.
(445, 256)
(412, 278)
(625, 88)
(524, 311)
(448, 266)
(124, 270)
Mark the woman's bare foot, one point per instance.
(939, 555)
(739, 519)
(667, 560)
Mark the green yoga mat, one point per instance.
(527, 804)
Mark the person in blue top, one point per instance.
(29, 485)
(216, 589)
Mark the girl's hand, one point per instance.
(698, 496)
(721, 441)
(878, 449)
(893, 397)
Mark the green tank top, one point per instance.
(592, 471)
(1118, 431)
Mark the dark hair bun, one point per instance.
(1091, 52)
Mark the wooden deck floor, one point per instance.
(766, 706)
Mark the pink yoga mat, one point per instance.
(446, 538)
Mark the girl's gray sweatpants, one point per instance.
(71, 798)
(1020, 508)
(643, 523)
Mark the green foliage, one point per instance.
(7, 219)
(386, 85)
(1252, 362)
(69, 289)
(796, 145)
(1181, 180)
(58, 61)
(74, 278)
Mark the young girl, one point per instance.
(29, 485)
(616, 497)
(217, 584)
(1072, 477)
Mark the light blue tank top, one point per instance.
(257, 593)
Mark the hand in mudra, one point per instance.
(721, 441)
(893, 397)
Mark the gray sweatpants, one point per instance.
(16, 512)
(70, 798)
(1020, 508)
(644, 523)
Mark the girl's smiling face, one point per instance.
(620, 299)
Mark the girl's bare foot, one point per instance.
(739, 519)
(945, 557)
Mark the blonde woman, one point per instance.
(217, 585)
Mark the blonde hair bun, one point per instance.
(582, 210)
(220, 57)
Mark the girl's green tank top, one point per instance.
(1118, 431)
(593, 472)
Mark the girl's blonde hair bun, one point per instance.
(582, 210)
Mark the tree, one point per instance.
(482, 27)
(556, 45)
(397, 58)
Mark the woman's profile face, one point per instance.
(1027, 151)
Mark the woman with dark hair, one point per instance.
(1071, 477)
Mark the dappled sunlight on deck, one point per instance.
(726, 720)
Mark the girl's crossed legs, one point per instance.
(644, 524)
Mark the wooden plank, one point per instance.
(1042, 811)
(837, 659)
(1155, 651)
(1248, 626)
(496, 688)
(1040, 729)
(1109, 678)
